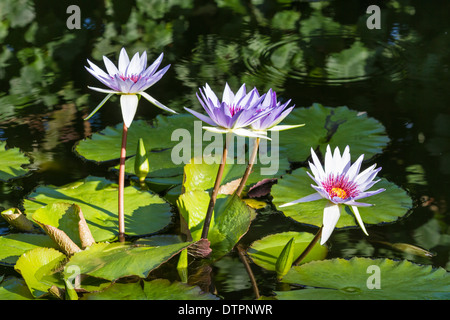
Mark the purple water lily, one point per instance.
(342, 184)
(275, 113)
(234, 113)
(129, 80)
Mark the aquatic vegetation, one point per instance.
(203, 193)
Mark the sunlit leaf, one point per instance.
(37, 268)
(12, 162)
(230, 221)
(159, 289)
(112, 261)
(365, 279)
(389, 205)
(97, 197)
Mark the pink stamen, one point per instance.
(340, 187)
(135, 77)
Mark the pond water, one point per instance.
(307, 51)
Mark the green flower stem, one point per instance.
(309, 247)
(215, 191)
(248, 170)
(123, 152)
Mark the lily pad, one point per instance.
(265, 252)
(159, 289)
(105, 145)
(13, 288)
(145, 212)
(37, 268)
(11, 162)
(231, 219)
(15, 244)
(338, 126)
(389, 205)
(365, 279)
(111, 261)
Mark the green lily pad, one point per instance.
(11, 162)
(105, 145)
(15, 244)
(36, 267)
(97, 197)
(159, 289)
(337, 126)
(112, 261)
(265, 252)
(13, 288)
(389, 205)
(231, 219)
(157, 138)
(365, 279)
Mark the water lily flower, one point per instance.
(129, 80)
(341, 183)
(276, 113)
(234, 113)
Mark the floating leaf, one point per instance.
(265, 252)
(389, 205)
(145, 212)
(159, 289)
(11, 162)
(112, 261)
(105, 145)
(165, 171)
(337, 126)
(364, 278)
(231, 219)
(201, 176)
(36, 267)
(13, 288)
(15, 244)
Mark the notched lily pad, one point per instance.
(389, 205)
(145, 212)
(365, 279)
(11, 162)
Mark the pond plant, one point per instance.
(69, 240)
(130, 80)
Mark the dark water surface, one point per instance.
(307, 51)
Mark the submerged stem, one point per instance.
(215, 191)
(244, 260)
(123, 152)
(309, 247)
(248, 170)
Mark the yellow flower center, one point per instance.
(338, 192)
